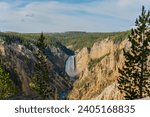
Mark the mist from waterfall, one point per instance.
(70, 66)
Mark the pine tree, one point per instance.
(134, 80)
(41, 80)
(7, 88)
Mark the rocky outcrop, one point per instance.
(58, 54)
(110, 93)
(82, 60)
(2, 49)
(98, 71)
(98, 68)
(98, 50)
(19, 60)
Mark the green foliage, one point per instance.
(120, 36)
(41, 43)
(85, 39)
(134, 79)
(41, 80)
(94, 62)
(77, 40)
(7, 88)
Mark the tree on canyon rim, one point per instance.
(41, 79)
(134, 79)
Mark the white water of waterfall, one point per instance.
(70, 66)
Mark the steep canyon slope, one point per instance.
(98, 71)
(19, 60)
(96, 63)
(98, 68)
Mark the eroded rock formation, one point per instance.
(19, 60)
(98, 68)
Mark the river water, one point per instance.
(70, 67)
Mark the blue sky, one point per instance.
(69, 15)
(64, 1)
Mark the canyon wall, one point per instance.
(19, 60)
(98, 71)
(94, 70)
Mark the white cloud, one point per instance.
(52, 16)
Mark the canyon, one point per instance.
(88, 73)
(19, 60)
(98, 71)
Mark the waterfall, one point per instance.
(70, 69)
(70, 66)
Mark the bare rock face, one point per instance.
(2, 49)
(19, 60)
(99, 49)
(99, 69)
(110, 93)
(58, 54)
(82, 59)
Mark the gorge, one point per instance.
(95, 68)
(79, 73)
